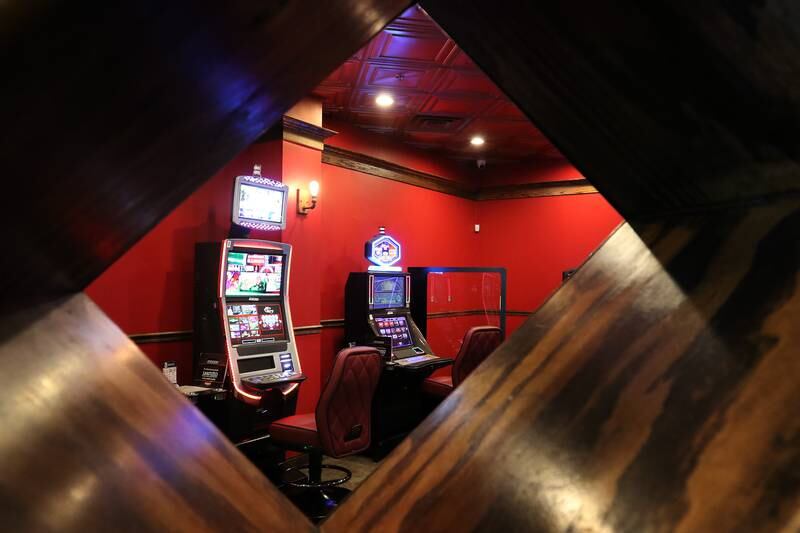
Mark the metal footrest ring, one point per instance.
(306, 483)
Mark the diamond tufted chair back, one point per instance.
(479, 342)
(345, 405)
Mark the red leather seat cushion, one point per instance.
(438, 385)
(300, 430)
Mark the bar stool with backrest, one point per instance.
(340, 426)
(478, 343)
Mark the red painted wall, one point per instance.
(149, 289)
(473, 292)
(303, 232)
(536, 239)
(361, 141)
(536, 171)
(434, 228)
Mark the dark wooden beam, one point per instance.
(381, 168)
(359, 162)
(674, 407)
(113, 113)
(536, 190)
(665, 106)
(95, 439)
(304, 133)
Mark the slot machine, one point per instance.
(378, 313)
(255, 315)
(378, 307)
(243, 337)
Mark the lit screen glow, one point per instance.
(258, 203)
(253, 274)
(255, 323)
(396, 328)
(388, 292)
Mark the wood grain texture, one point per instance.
(665, 105)
(95, 439)
(655, 391)
(374, 166)
(536, 190)
(381, 168)
(113, 112)
(305, 133)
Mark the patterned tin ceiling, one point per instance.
(441, 98)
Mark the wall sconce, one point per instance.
(307, 199)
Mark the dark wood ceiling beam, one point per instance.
(381, 168)
(664, 106)
(96, 439)
(655, 391)
(113, 113)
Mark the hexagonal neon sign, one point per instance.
(383, 252)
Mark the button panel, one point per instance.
(415, 359)
(270, 378)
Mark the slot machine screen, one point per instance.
(395, 327)
(388, 292)
(249, 323)
(251, 274)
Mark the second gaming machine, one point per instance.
(378, 313)
(378, 307)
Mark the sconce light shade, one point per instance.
(307, 198)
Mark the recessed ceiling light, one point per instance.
(477, 141)
(384, 100)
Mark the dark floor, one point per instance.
(361, 467)
(316, 504)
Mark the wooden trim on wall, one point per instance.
(161, 336)
(536, 190)
(472, 312)
(339, 322)
(332, 323)
(305, 133)
(384, 169)
(313, 329)
(365, 164)
(186, 335)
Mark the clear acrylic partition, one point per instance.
(457, 299)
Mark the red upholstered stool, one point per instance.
(478, 343)
(339, 427)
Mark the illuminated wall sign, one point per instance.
(383, 252)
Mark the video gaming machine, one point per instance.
(378, 307)
(259, 340)
(243, 336)
(378, 313)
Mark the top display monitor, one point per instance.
(259, 203)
